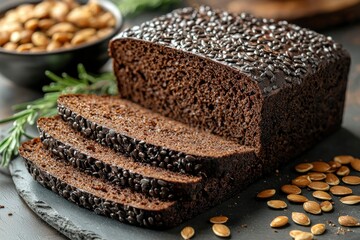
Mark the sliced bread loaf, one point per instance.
(100, 161)
(151, 138)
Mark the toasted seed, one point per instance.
(321, 195)
(32, 24)
(332, 179)
(221, 230)
(300, 218)
(219, 219)
(343, 171)
(317, 176)
(62, 27)
(62, 37)
(294, 233)
(279, 221)
(312, 207)
(348, 221)
(318, 229)
(267, 193)
(277, 204)
(326, 206)
(343, 159)
(321, 186)
(301, 181)
(53, 45)
(350, 200)
(355, 164)
(297, 198)
(351, 180)
(10, 46)
(303, 167)
(319, 166)
(304, 236)
(39, 39)
(340, 190)
(24, 47)
(290, 189)
(334, 165)
(187, 232)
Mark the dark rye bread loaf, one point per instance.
(269, 85)
(100, 161)
(151, 138)
(121, 204)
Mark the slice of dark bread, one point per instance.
(100, 161)
(270, 85)
(151, 138)
(123, 204)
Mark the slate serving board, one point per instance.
(249, 217)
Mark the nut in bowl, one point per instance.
(36, 36)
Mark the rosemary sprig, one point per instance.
(28, 113)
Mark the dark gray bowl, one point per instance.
(27, 69)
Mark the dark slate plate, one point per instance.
(249, 217)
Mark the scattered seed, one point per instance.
(343, 159)
(351, 180)
(279, 221)
(326, 206)
(332, 179)
(277, 204)
(334, 165)
(187, 232)
(221, 230)
(304, 236)
(340, 190)
(312, 207)
(268, 193)
(355, 164)
(320, 166)
(350, 200)
(321, 195)
(318, 229)
(317, 176)
(301, 181)
(300, 218)
(219, 219)
(297, 198)
(348, 221)
(294, 233)
(343, 171)
(303, 167)
(321, 186)
(290, 189)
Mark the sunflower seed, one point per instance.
(290, 189)
(303, 167)
(332, 179)
(318, 229)
(316, 176)
(355, 164)
(320, 166)
(321, 186)
(300, 218)
(350, 200)
(343, 171)
(219, 219)
(221, 230)
(348, 221)
(301, 181)
(340, 190)
(279, 221)
(268, 193)
(187, 232)
(326, 206)
(343, 159)
(351, 180)
(277, 204)
(297, 198)
(312, 207)
(321, 195)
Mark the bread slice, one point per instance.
(100, 161)
(123, 204)
(151, 138)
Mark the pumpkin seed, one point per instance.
(348, 221)
(301, 181)
(332, 179)
(319, 166)
(334, 165)
(221, 230)
(304, 236)
(277, 204)
(351, 180)
(312, 207)
(279, 221)
(317, 176)
(300, 218)
(294, 233)
(290, 189)
(187, 232)
(355, 164)
(343, 159)
(321, 186)
(219, 219)
(340, 190)
(297, 198)
(321, 195)
(318, 229)
(303, 167)
(350, 200)
(267, 193)
(343, 171)
(326, 206)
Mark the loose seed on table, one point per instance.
(350, 200)
(319, 166)
(279, 221)
(321, 186)
(343, 171)
(219, 219)
(221, 230)
(332, 179)
(343, 159)
(318, 229)
(340, 190)
(290, 189)
(303, 167)
(321, 195)
(301, 181)
(187, 232)
(348, 221)
(296, 198)
(300, 218)
(294, 233)
(304, 236)
(351, 180)
(355, 164)
(277, 204)
(326, 206)
(316, 176)
(267, 193)
(312, 207)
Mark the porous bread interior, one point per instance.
(134, 121)
(189, 88)
(62, 132)
(36, 153)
